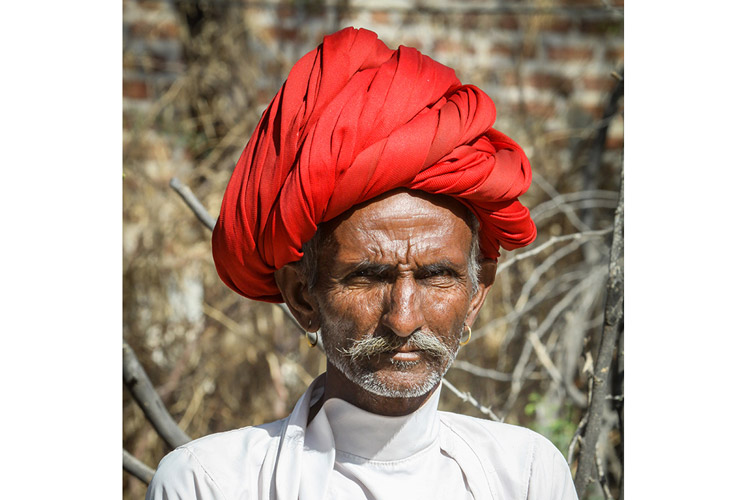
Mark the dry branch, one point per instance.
(200, 211)
(586, 472)
(137, 468)
(468, 398)
(557, 199)
(585, 235)
(481, 372)
(139, 385)
(196, 206)
(550, 289)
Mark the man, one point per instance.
(372, 198)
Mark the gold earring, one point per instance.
(467, 338)
(314, 341)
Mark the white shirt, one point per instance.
(348, 453)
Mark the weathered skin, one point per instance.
(394, 266)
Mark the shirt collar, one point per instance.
(378, 437)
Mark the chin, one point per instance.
(402, 381)
(375, 385)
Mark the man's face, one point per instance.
(394, 292)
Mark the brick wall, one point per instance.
(551, 61)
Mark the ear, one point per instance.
(487, 270)
(293, 287)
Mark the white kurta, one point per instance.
(348, 453)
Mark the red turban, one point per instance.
(356, 119)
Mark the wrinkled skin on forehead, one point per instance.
(393, 273)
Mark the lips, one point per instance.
(405, 353)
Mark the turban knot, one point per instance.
(353, 120)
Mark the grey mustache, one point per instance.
(366, 348)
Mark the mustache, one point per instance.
(367, 348)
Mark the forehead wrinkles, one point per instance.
(405, 239)
(401, 226)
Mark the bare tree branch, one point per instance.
(576, 438)
(137, 468)
(558, 285)
(202, 214)
(553, 240)
(556, 198)
(518, 379)
(148, 400)
(196, 206)
(468, 398)
(552, 205)
(585, 473)
(601, 472)
(483, 372)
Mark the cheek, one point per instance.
(357, 308)
(446, 312)
(446, 302)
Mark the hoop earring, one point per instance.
(467, 338)
(314, 341)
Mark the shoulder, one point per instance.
(211, 467)
(511, 439)
(515, 455)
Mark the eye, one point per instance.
(367, 275)
(437, 274)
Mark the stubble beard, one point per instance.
(352, 360)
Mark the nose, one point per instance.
(404, 314)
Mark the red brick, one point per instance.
(549, 81)
(529, 49)
(569, 53)
(614, 142)
(596, 111)
(445, 45)
(155, 62)
(507, 22)
(284, 11)
(556, 24)
(135, 89)
(381, 16)
(615, 54)
(150, 4)
(580, 3)
(600, 26)
(508, 108)
(598, 82)
(469, 21)
(509, 79)
(411, 17)
(139, 29)
(540, 109)
(167, 30)
(503, 49)
(280, 33)
(149, 31)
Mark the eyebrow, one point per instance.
(368, 265)
(441, 265)
(382, 269)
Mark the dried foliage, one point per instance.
(220, 361)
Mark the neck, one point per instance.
(337, 385)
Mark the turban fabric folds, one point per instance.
(353, 120)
